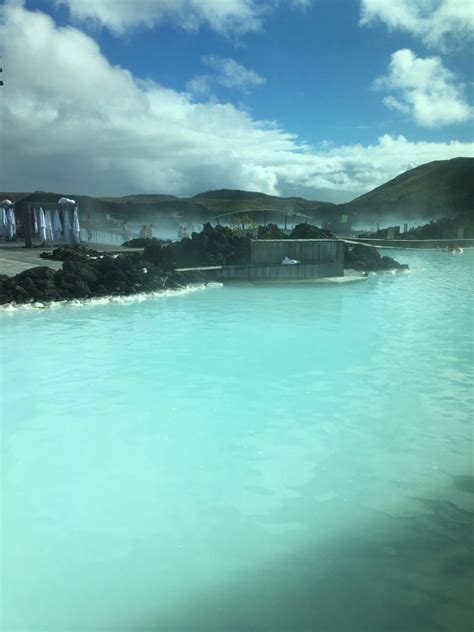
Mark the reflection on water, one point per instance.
(243, 458)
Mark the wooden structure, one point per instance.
(24, 212)
(318, 258)
(308, 251)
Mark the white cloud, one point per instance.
(74, 123)
(394, 104)
(199, 86)
(231, 74)
(301, 4)
(442, 23)
(227, 73)
(223, 16)
(425, 89)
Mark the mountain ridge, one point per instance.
(435, 189)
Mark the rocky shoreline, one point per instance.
(92, 276)
(368, 259)
(88, 273)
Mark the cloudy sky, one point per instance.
(320, 98)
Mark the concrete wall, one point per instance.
(277, 273)
(319, 258)
(308, 251)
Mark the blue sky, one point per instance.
(324, 98)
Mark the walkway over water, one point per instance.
(420, 244)
(15, 258)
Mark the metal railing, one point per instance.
(102, 237)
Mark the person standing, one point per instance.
(88, 227)
(125, 231)
(149, 231)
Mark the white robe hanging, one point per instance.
(42, 226)
(49, 226)
(3, 222)
(76, 227)
(67, 228)
(57, 227)
(35, 222)
(11, 223)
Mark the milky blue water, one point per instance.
(243, 458)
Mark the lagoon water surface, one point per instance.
(243, 458)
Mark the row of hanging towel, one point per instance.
(47, 225)
(7, 222)
(57, 226)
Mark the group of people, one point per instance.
(146, 231)
(182, 232)
(454, 249)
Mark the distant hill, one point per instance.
(139, 208)
(202, 207)
(151, 197)
(231, 194)
(87, 204)
(436, 189)
(13, 196)
(234, 200)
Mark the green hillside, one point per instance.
(436, 189)
(261, 206)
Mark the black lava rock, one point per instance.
(213, 246)
(270, 231)
(71, 253)
(308, 231)
(40, 272)
(142, 242)
(368, 259)
(123, 274)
